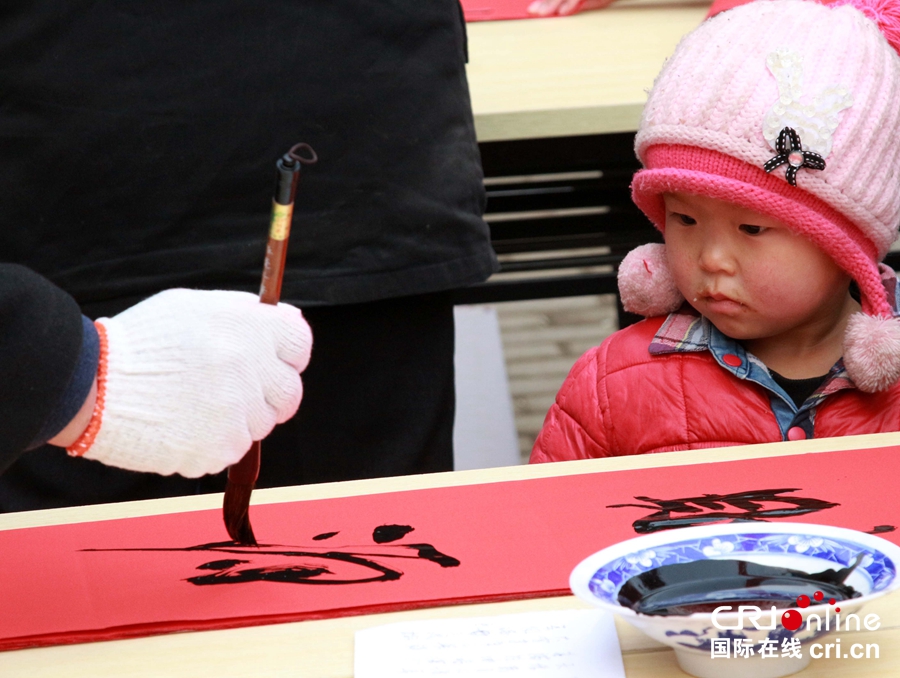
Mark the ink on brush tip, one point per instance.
(237, 515)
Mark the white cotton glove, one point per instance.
(193, 377)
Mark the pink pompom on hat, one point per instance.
(790, 108)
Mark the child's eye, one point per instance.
(685, 219)
(750, 229)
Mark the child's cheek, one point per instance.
(770, 287)
(684, 272)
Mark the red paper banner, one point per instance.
(333, 557)
(494, 10)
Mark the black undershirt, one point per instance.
(798, 389)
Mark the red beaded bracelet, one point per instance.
(86, 439)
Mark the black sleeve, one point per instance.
(40, 343)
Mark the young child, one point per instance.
(771, 152)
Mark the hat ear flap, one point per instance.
(646, 285)
(872, 352)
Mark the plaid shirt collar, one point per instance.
(686, 331)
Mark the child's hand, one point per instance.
(564, 7)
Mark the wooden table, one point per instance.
(567, 76)
(324, 649)
(556, 104)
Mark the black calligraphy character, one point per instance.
(761, 505)
(311, 564)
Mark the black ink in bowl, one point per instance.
(704, 585)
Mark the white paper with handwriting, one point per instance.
(556, 644)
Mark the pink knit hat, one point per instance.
(789, 108)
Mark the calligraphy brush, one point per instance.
(242, 475)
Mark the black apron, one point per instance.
(138, 141)
(137, 148)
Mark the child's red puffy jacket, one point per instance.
(619, 399)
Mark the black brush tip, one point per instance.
(236, 512)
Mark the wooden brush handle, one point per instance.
(242, 475)
(276, 254)
(246, 471)
(288, 167)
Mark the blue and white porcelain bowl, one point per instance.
(808, 548)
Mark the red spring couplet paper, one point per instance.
(353, 555)
(495, 10)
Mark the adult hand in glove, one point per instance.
(189, 378)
